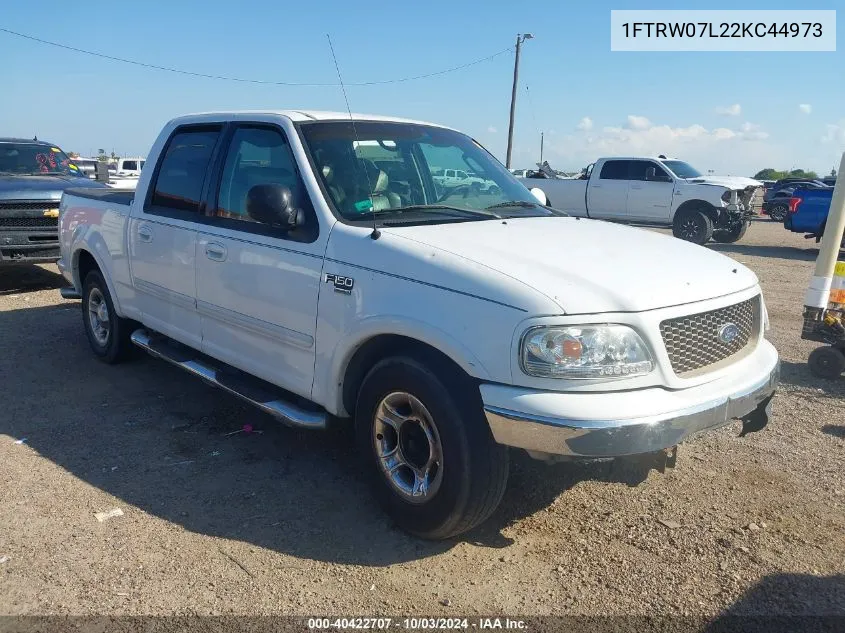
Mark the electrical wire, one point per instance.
(252, 81)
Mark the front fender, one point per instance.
(331, 379)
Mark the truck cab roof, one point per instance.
(298, 116)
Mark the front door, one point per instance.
(163, 235)
(650, 192)
(257, 284)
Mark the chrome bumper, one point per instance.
(616, 438)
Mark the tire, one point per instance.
(108, 334)
(778, 212)
(442, 433)
(731, 235)
(693, 226)
(827, 362)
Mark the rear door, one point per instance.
(607, 191)
(650, 192)
(163, 234)
(257, 285)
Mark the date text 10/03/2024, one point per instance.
(416, 623)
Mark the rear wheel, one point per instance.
(732, 234)
(779, 211)
(827, 362)
(434, 463)
(108, 334)
(693, 226)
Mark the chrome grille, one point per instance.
(693, 342)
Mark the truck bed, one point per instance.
(113, 196)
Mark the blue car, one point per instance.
(808, 209)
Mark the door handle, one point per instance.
(596, 186)
(215, 252)
(145, 234)
(636, 186)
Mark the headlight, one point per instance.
(589, 351)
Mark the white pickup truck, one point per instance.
(659, 191)
(310, 266)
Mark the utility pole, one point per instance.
(519, 40)
(541, 148)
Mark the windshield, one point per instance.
(30, 159)
(401, 168)
(682, 169)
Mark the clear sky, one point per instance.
(733, 113)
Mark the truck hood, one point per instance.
(41, 187)
(589, 266)
(731, 182)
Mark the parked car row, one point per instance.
(315, 267)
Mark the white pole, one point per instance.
(818, 294)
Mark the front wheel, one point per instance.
(693, 226)
(434, 463)
(732, 234)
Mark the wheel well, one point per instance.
(85, 264)
(382, 346)
(698, 205)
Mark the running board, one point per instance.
(257, 392)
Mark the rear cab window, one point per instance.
(181, 173)
(615, 170)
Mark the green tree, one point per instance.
(768, 174)
(773, 174)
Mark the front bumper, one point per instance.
(594, 425)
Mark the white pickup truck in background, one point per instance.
(657, 192)
(314, 268)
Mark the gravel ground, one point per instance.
(278, 522)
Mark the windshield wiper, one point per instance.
(515, 203)
(477, 213)
(525, 204)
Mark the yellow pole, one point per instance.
(818, 294)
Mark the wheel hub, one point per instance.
(408, 448)
(98, 316)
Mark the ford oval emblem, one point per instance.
(728, 333)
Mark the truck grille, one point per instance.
(693, 342)
(16, 205)
(28, 222)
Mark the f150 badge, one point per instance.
(341, 284)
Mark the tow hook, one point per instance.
(758, 418)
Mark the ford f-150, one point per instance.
(308, 263)
(33, 175)
(657, 192)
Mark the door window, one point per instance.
(180, 178)
(614, 170)
(645, 170)
(258, 156)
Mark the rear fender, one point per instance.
(95, 247)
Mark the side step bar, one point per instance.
(69, 292)
(256, 392)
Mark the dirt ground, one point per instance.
(279, 521)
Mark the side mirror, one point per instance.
(540, 195)
(273, 205)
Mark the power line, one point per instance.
(252, 81)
